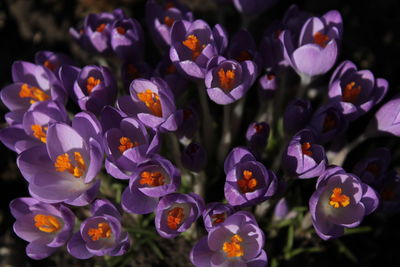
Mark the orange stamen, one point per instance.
(152, 101)
(101, 27)
(63, 163)
(91, 83)
(218, 218)
(271, 76)
(32, 92)
(226, 79)
(321, 39)
(258, 127)
(151, 179)
(103, 230)
(49, 65)
(39, 133)
(351, 92)
(175, 218)
(121, 30)
(243, 55)
(248, 183)
(126, 144)
(329, 123)
(338, 199)
(194, 45)
(168, 21)
(47, 223)
(233, 248)
(305, 148)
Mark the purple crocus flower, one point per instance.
(127, 39)
(100, 234)
(357, 91)
(248, 182)
(257, 136)
(315, 51)
(160, 18)
(194, 157)
(389, 193)
(32, 131)
(228, 80)
(372, 170)
(190, 123)
(32, 83)
(133, 69)
(152, 102)
(45, 226)
(167, 70)
(53, 61)
(328, 122)
(193, 44)
(91, 87)
(303, 157)
(95, 34)
(243, 47)
(150, 181)
(268, 84)
(340, 201)
(238, 241)
(127, 143)
(216, 213)
(387, 118)
(176, 212)
(237, 155)
(297, 115)
(65, 169)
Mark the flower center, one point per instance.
(125, 144)
(258, 127)
(351, 92)
(47, 223)
(133, 72)
(233, 248)
(194, 45)
(305, 148)
(101, 27)
(218, 218)
(373, 168)
(49, 65)
(170, 69)
(63, 163)
(226, 79)
(175, 218)
(168, 21)
(271, 76)
(338, 199)
(39, 133)
(152, 101)
(32, 92)
(329, 123)
(91, 83)
(321, 39)
(151, 179)
(248, 183)
(121, 30)
(103, 230)
(243, 55)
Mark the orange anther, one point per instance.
(244, 55)
(103, 230)
(38, 132)
(101, 27)
(175, 217)
(63, 163)
(49, 65)
(168, 21)
(32, 92)
(121, 30)
(248, 183)
(151, 179)
(321, 39)
(194, 45)
(351, 92)
(338, 199)
(233, 248)
(125, 144)
(226, 79)
(218, 218)
(329, 123)
(47, 223)
(152, 101)
(305, 148)
(91, 83)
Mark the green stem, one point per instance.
(226, 138)
(208, 132)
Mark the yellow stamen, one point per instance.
(39, 133)
(248, 183)
(175, 218)
(194, 45)
(338, 199)
(63, 163)
(47, 223)
(320, 39)
(152, 101)
(151, 179)
(103, 230)
(32, 92)
(91, 83)
(226, 79)
(233, 248)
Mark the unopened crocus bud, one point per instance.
(215, 213)
(387, 118)
(257, 136)
(194, 157)
(268, 84)
(297, 115)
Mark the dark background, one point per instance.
(371, 40)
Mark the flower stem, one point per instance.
(226, 138)
(208, 132)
